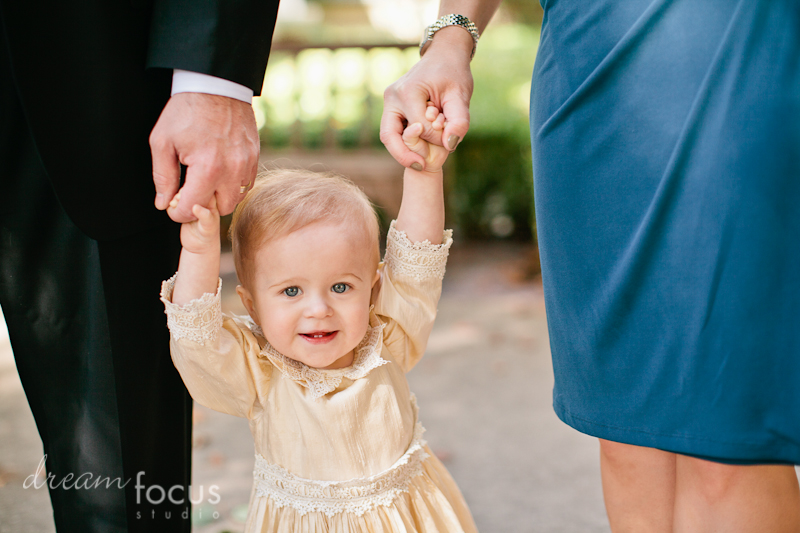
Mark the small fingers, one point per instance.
(202, 213)
(207, 219)
(412, 140)
(431, 112)
(175, 199)
(439, 123)
(411, 134)
(173, 204)
(411, 137)
(395, 144)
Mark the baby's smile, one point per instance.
(319, 337)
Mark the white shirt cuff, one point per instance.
(184, 81)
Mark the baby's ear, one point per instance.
(376, 287)
(249, 303)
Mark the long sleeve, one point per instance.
(410, 287)
(229, 39)
(217, 356)
(184, 81)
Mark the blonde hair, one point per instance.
(285, 200)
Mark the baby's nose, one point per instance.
(318, 307)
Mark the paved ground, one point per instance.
(484, 393)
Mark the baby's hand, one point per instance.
(201, 235)
(434, 155)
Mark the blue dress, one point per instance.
(666, 138)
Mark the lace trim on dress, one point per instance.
(417, 260)
(321, 381)
(356, 496)
(199, 321)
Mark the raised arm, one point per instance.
(442, 76)
(411, 278)
(198, 271)
(421, 214)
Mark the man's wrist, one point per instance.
(184, 81)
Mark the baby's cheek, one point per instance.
(360, 321)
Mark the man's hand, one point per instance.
(217, 139)
(442, 76)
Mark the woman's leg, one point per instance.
(649, 490)
(719, 497)
(638, 487)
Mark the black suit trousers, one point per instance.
(91, 346)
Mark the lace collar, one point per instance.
(320, 381)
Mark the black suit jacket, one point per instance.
(93, 76)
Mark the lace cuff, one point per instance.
(199, 320)
(417, 260)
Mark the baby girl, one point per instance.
(318, 368)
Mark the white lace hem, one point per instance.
(320, 381)
(199, 321)
(417, 260)
(356, 496)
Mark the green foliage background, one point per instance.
(490, 182)
(491, 169)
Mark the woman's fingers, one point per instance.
(456, 113)
(401, 107)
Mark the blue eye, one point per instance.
(291, 291)
(339, 287)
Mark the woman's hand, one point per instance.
(442, 76)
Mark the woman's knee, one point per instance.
(716, 482)
(709, 480)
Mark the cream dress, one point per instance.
(336, 450)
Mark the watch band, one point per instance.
(450, 20)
